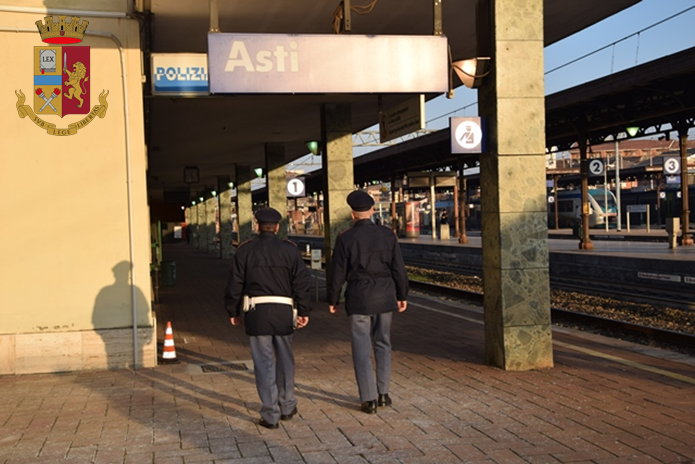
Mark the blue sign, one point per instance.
(179, 73)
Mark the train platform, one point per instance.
(652, 244)
(604, 402)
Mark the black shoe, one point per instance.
(267, 425)
(369, 407)
(286, 417)
(384, 400)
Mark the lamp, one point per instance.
(313, 146)
(201, 199)
(192, 202)
(472, 71)
(230, 185)
(213, 193)
(632, 131)
(259, 172)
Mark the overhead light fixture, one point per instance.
(313, 146)
(201, 199)
(192, 202)
(213, 193)
(632, 131)
(472, 71)
(259, 172)
(230, 185)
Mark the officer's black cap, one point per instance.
(268, 215)
(359, 200)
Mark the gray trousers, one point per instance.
(273, 363)
(365, 329)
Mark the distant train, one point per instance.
(602, 208)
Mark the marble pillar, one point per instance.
(202, 225)
(277, 182)
(514, 212)
(244, 202)
(225, 205)
(210, 224)
(338, 175)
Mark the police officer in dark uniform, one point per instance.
(369, 258)
(268, 278)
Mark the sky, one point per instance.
(637, 48)
(631, 37)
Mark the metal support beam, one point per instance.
(437, 17)
(214, 16)
(347, 16)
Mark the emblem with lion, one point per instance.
(75, 81)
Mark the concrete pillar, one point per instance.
(686, 237)
(202, 224)
(191, 217)
(277, 182)
(585, 242)
(195, 239)
(225, 205)
(338, 177)
(244, 202)
(210, 223)
(514, 214)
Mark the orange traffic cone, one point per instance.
(169, 351)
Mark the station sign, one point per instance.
(346, 63)
(467, 135)
(595, 167)
(402, 119)
(672, 165)
(179, 73)
(296, 187)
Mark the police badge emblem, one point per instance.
(61, 77)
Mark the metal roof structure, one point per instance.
(215, 132)
(654, 97)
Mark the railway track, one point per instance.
(616, 328)
(646, 294)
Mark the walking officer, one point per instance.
(271, 285)
(369, 258)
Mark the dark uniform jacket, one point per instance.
(369, 258)
(268, 266)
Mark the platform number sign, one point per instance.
(595, 167)
(672, 165)
(295, 187)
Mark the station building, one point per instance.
(87, 155)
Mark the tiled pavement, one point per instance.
(604, 402)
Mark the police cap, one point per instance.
(268, 215)
(359, 200)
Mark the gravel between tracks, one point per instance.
(676, 320)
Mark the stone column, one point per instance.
(191, 218)
(225, 205)
(210, 223)
(514, 213)
(338, 175)
(277, 182)
(244, 202)
(686, 236)
(202, 224)
(195, 238)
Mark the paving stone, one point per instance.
(448, 405)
